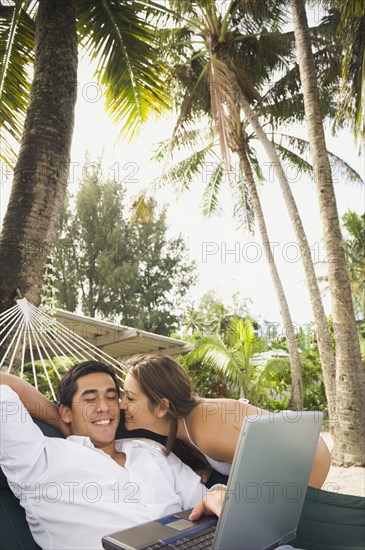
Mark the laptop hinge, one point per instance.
(286, 539)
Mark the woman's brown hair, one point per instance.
(161, 376)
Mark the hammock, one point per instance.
(28, 335)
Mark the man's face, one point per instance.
(95, 409)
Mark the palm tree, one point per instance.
(235, 73)
(47, 32)
(193, 321)
(219, 317)
(350, 375)
(206, 23)
(231, 356)
(355, 256)
(349, 20)
(231, 73)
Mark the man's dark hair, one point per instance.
(67, 386)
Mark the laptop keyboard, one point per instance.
(197, 542)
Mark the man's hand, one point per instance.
(211, 504)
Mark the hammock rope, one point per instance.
(50, 345)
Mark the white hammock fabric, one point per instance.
(29, 335)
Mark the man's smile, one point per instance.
(103, 422)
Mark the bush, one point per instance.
(61, 364)
(207, 382)
(276, 395)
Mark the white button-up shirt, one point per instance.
(73, 493)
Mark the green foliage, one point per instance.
(348, 22)
(17, 39)
(227, 360)
(228, 353)
(48, 298)
(207, 382)
(275, 389)
(225, 338)
(119, 269)
(211, 316)
(354, 246)
(275, 393)
(122, 37)
(46, 375)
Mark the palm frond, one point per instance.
(350, 31)
(212, 351)
(273, 370)
(129, 68)
(182, 174)
(17, 33)
(210, 202)
(198, 354)
(185, 111)
(192, 138)
(240, 337)
(294, 159)
(282, 111)
(258, 57)
(254, 161)
(242, 205)
(253, 16)
(341, 170)
(283, 100)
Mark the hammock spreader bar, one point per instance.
(29, 334)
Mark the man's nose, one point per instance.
(103, 405)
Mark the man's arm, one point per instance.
(36, 404)
(22, 450)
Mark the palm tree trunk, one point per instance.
(41, 171)
(296, 397)
(322, 329)
(324, 341)
(350, 375)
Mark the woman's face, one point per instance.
(137, 413)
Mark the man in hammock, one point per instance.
(78, 489)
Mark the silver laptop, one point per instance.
(265, 494)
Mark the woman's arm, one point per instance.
(36, 404)
(218, 436)
(321, 465)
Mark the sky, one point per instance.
(228, 261)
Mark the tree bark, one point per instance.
(41, 172)
(296, 397)
(349, 446)
(327, 356)
(324, 341)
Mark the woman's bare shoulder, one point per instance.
(209, 415)
(215, 411)
(214, 426)
(219, 420)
